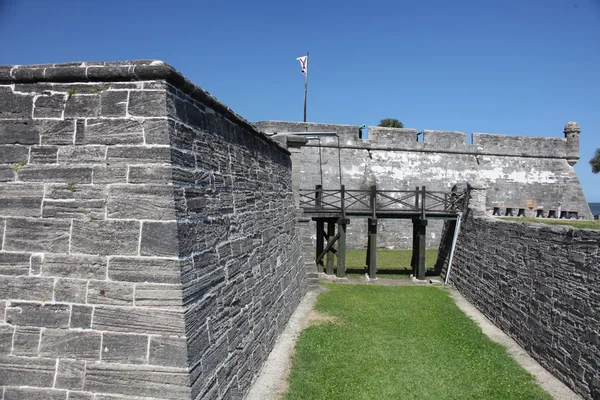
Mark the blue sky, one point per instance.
(522, 67)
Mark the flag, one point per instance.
(304, 63)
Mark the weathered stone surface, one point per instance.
(79, 209)
(56, 132)
(70, 290)
(147, 103)
(81, 154)
(14, 263)
(13, 393)
(51, 106)
(10, 154)
(21, 200)
(110, 132)
(37, 372)
(41, 315)
(74, 266)
(82, 345)
(69, 374)
(79, 106)
(113, 104)
(112, 293)
(141, 269)
(109, 174)
(7, 174)
(2, 310)
(168, 351)
(157, 295)
(37, 235)
(81, 317)
(150, 174)
(139, 155)
(55, 174)
(82, 396)
(157, 131)
(137, 380)
(26, 341)
(159, 239)
(105, 237)
(19, 132)
(140, 202)
(138, 320)
(6, 338)
(26, 288)
(15, 105)
(35, 264)
(124, 349)
(43, 155)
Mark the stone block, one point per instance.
(109, 174)
(82, 106)
(40, 315)
(69, 374)
(105, 237)
(12, 154)
(35, 264)
(26, 288)
(21, 200)
(112, 293)
(7, 174)
(55, 174)
(13, 393)
(56, 132)
(138, 320)
(124, 349)
(157, 295)
(81, 154)
(50, 236)
(19, 132)
(140, 202)
(78, 209)
(156, 131)
(2, 310)
(14, 263)
(110, 132)
(81, 317)
(6, 338)
(113, 103)
(26, 341)
(139, 155)
(141, 269)
(138, 380)
(50, 106)
(61, 343)
(27, 371)
(82, 396)
(74, 266)
(168, 351)
(43, 155)
(147, 103)
(159, 239)
(70, 290)
(15, 105)
(150, 174)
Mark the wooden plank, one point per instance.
(372, 247)
(320, 238)
(341, 266)
(332, 238)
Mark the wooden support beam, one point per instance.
(341, 266)
(372, 248)
(320, 237)
(415, 246)
(332, 238)
(422, 268)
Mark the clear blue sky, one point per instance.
(522, 67)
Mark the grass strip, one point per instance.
(401, 343)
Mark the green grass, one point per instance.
(401, 343)
(587, 224)
(390, 263)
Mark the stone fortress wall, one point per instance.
(149, 237)
(514, 168)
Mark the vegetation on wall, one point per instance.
(391, 123)
(595, 162)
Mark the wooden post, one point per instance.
(330, 234)
(341, 267)
(320, 238)
(372, 250)
(422, 245)
(415, 246)
(318, 196)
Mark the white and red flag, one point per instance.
(304, 63)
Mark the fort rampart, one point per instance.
(149, 236)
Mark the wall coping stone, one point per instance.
(125, 71)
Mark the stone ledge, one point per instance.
(124, 71)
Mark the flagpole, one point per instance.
(305, 85)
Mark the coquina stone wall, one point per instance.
(149, 240)
(541, 285)
(514, 168)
